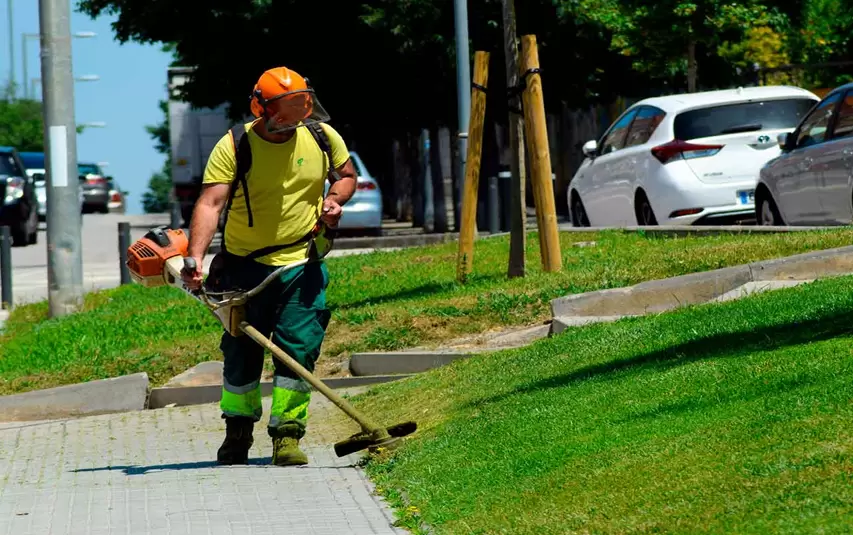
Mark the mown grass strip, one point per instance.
(730, 418)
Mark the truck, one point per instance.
(193, 132)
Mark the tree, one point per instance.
(21, 125)
(668, 37)
(156, 199)
(824, 36)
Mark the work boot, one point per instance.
(285, 445)
(238, 440)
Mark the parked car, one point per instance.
(684, 159)
(35, 168)
(20, 206)
(809, 183)
(364, 211)
(116, 203)
(96, 188)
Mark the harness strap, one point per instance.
(322, 140)
(264, 251)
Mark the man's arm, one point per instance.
(343, 190)
(206, 218)
(339, 193)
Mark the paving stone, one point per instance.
(150, 472)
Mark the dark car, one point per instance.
(96, 188)
(19, 210)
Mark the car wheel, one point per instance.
(768, 213)
(645, 214)
(579, 217)
(21, 232)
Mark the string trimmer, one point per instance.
(157, 258)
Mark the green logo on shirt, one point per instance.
(299, 161)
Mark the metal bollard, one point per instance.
(494, 208)
(123, 244)
(505, 194)
(5, 268)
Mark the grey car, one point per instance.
(811, 182)
(96, 188)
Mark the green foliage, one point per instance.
(21, 125)
(658, 36)
(160, 132)
(157, 200)
(824, 36)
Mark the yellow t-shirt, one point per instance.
(286, 183)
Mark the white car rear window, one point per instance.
(741, 117)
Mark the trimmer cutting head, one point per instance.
(385, 438)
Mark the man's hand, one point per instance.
(332, 212)
(193, 278)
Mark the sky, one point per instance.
(132, 82)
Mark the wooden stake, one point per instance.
(536, 135)
(468, 220)
(518, 208)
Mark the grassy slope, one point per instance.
(732, 418)
(380, 301)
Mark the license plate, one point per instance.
(746, 196)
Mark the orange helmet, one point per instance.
(283, 98)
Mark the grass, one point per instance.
(731, 418)
(380, 301)
(126, 330)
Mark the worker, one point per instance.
(271, 211)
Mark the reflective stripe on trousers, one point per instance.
(290, 399)
(242, 400)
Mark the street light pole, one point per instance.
(24, 37)
(64, 247)
(463, 95)
(10, 6)
(84, 78)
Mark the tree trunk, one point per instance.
(691, 66)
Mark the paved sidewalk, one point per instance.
(153, 472)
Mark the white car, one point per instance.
(34, 162)
(684, 159)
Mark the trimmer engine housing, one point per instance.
(156, 259)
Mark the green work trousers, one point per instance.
(292, 312)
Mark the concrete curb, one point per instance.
(196, 395)
(685, 230)
(562, 323)
(367, 364)
(702, 287)
(118, 394)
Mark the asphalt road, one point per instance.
(101, 264)
(100, 255)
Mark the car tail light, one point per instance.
(14, 189)
(96, 180)
(115, 197)
(682, 150)
(366, 186)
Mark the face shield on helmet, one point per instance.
(291, 110)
